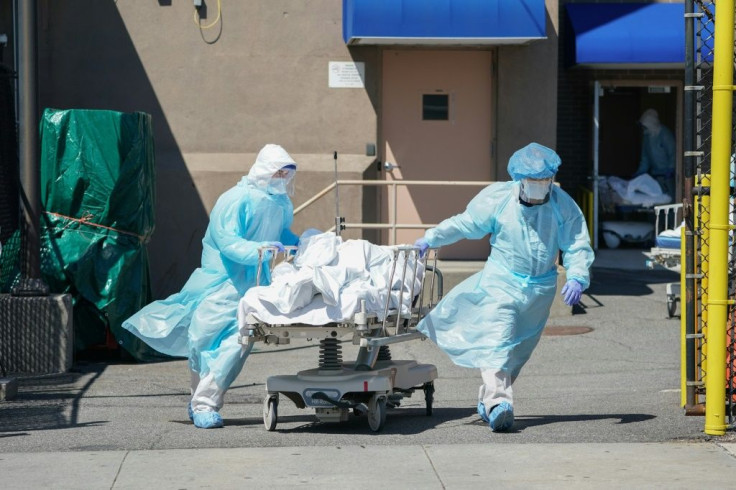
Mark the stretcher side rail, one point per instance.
(668, 218)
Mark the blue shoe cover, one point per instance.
(502, 417)
(190, 412)
(207, 420)
(482, 412)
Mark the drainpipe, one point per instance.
(687, 275)
(30, 283)
(715, 383)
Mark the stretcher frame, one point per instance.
(374, 381)
(667, 217)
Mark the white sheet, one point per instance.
(327, 282)
(643, 190)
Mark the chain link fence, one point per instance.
(699, 239)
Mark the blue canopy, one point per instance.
(443, 22)
(625, 34)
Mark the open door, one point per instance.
(617, 136)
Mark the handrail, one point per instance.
(393, 212)
(314, 198)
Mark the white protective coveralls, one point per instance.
(200, 321)
(657, 152)
(494, 319)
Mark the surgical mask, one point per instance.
(535, 190)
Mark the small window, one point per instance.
(435, 107)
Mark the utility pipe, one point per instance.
(31, 283)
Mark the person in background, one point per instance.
(200, 321)
(493, 320)
(657, 152)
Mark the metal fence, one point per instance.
(697, 262)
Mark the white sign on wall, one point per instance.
(346, 74)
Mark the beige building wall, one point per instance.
(258, 75)
(527, 94)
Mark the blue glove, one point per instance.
(422, 245)
(278, 245)
(571, 292)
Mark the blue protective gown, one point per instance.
(658, 158)
(200, 321)
(494, 319)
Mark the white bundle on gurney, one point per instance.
(327, 281)
(643, 190)
(670, 238)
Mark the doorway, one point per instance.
(436, 125)
(618, 106)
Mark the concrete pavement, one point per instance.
(447, 466)
(597, 406)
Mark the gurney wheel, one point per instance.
(429, 396)
(377, 412)
(270, 412)
(671, 307)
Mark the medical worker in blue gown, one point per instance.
(494, 319)
(200, 321)
(657, 152)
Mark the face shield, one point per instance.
(535, 191)
(282, 181)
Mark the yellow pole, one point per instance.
(715, 384)
(683, 320)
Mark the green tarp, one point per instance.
(97, 193)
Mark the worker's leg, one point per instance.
(495, 399)
(216, 357)
(496, 388)
(207, 396)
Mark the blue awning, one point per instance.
(625, 34)
(443, 22)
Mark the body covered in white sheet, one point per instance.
(327, 280)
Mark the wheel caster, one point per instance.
(377, 412)
(671, 306)
(429, 396)
(270, 412)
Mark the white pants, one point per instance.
(496, 388)
(206, 395)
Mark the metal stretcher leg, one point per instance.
(673, 297)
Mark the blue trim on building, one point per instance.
(625, 33)
(443, 21)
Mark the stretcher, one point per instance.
(373, 382)
(667, 249)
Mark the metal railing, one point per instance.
(393, 225)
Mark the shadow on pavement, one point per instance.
(521, 423)
(49, 402)
(616, 282)
(399, 421)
